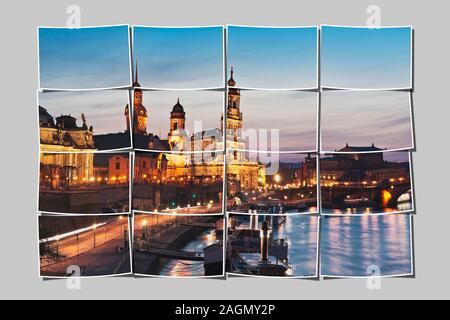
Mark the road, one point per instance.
(99, 258)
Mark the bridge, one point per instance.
(383, 195)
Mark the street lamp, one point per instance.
(277, 178)
(95, 228)
(144, 229)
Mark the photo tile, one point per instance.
(84, 246)
(366, 58)
(271, 183)
(272, 121)
(366, 121)
(273, 246)
(84, 121)
(180, 183)
(84, 183)
(366, 246)
(368, 183)
(179, 57)
(178, 121)
(178, 246)
(84, 58)
(273, 57)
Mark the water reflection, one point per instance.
(404, 204)
(182, 268)
(349, 245)
(301, 233)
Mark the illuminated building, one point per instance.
(361, 168)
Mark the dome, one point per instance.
(141, 111)
(178, 108)
(66, 122)
(45, 119)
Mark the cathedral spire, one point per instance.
(136, 82)
(231, 81)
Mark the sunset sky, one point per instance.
(365, 117)
(104, 110)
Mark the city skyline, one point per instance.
(84, 58)
(366, 58)
(179, 58)
(274, 58)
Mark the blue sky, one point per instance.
(84, 58)
(103, 109)
(366, 58)
(179, 58)
(273, 58)
(363, 117)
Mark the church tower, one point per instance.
(234, 114)
(140, 112)
(177, 135)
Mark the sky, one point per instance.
(104, 110)
(365, 117)
(293, 113)
(204, 106)
(85, 58)
(179, 58)
(365, 58)
(273, 58)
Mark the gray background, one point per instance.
(19, 261)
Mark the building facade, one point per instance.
(361, 168)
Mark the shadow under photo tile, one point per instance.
(171, 245)
(84, 246)
(84, 183)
